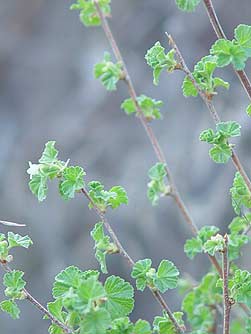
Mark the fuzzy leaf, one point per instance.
(220, 153)
(139, 272)
(72, 181)
(166, 276)
(16, 240)
(192, 247)
(187, 5)
(10, 307)
(240, 193)
(229, 129)
(96, 322)
(119, 293)
(14, 283)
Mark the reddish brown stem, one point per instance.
(227, 301)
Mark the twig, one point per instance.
(32, 300)
(220, 34)
(11, 224)
(227, 301)
(130, 261)
(155, 144)
(208, 101)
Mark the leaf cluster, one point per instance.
(150, 107)
(88, 11)
(159, 61)
(157, 186)
(162, 279)
(221, 150)
(108, 72)
(203, 76)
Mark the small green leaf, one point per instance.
(248, 110)
(227, 52)
(208, 136)
(38, 186)
(10, 307)
(157, 186)
(65, 280)
(187, 5)
(240, 287)
(49, 155)
(108, 72)
(206, 232)
(240, 193)
(142, 327)
(220, 153)
(119, 294)
(139, 272)
(188, 88)
(193, 247)
(14, 283)
(164, 325)
(166, 276)
(213, 245)
(159, 61)
(96, 322)
(16, 240)
(72, 181)
(120, 198)
(150, 107)
(242, 34)
(88, 12)
(229, 129)
(55, 308)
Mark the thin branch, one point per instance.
(11, 224)
(39, 306)
(130, 261)
(227, 301)
(220, 34)
(208, 101)
(149, 131)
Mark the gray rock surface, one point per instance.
(47, 91)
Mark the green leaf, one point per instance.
(120, 198)
(208, 136)
(119, 294)
(242, 34)
(140, 269)
(166, 276)
(150, 107)
(188, 88)
(65, 280)
(157, 186)
(72, 181)
(187, 5)
(240, 193)
(220, 153)
(16, 240)
(213, 245)
(159, 61)
(108, 72)
(206, 232)
(88, 12)
(14, 283)
(49, 155)
(235, 242)
(227, 52)
(218, 82)
(239, 224)
(55, 308)
(89, 291)
(142, 327)
(193, 247)
(229, 129)
(10, 307)
(103, 245)
(240, 287)
(96, 322)
(164, 325)
(121, 326)
(38, 186)
(248, 110)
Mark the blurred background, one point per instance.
(47, 92)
